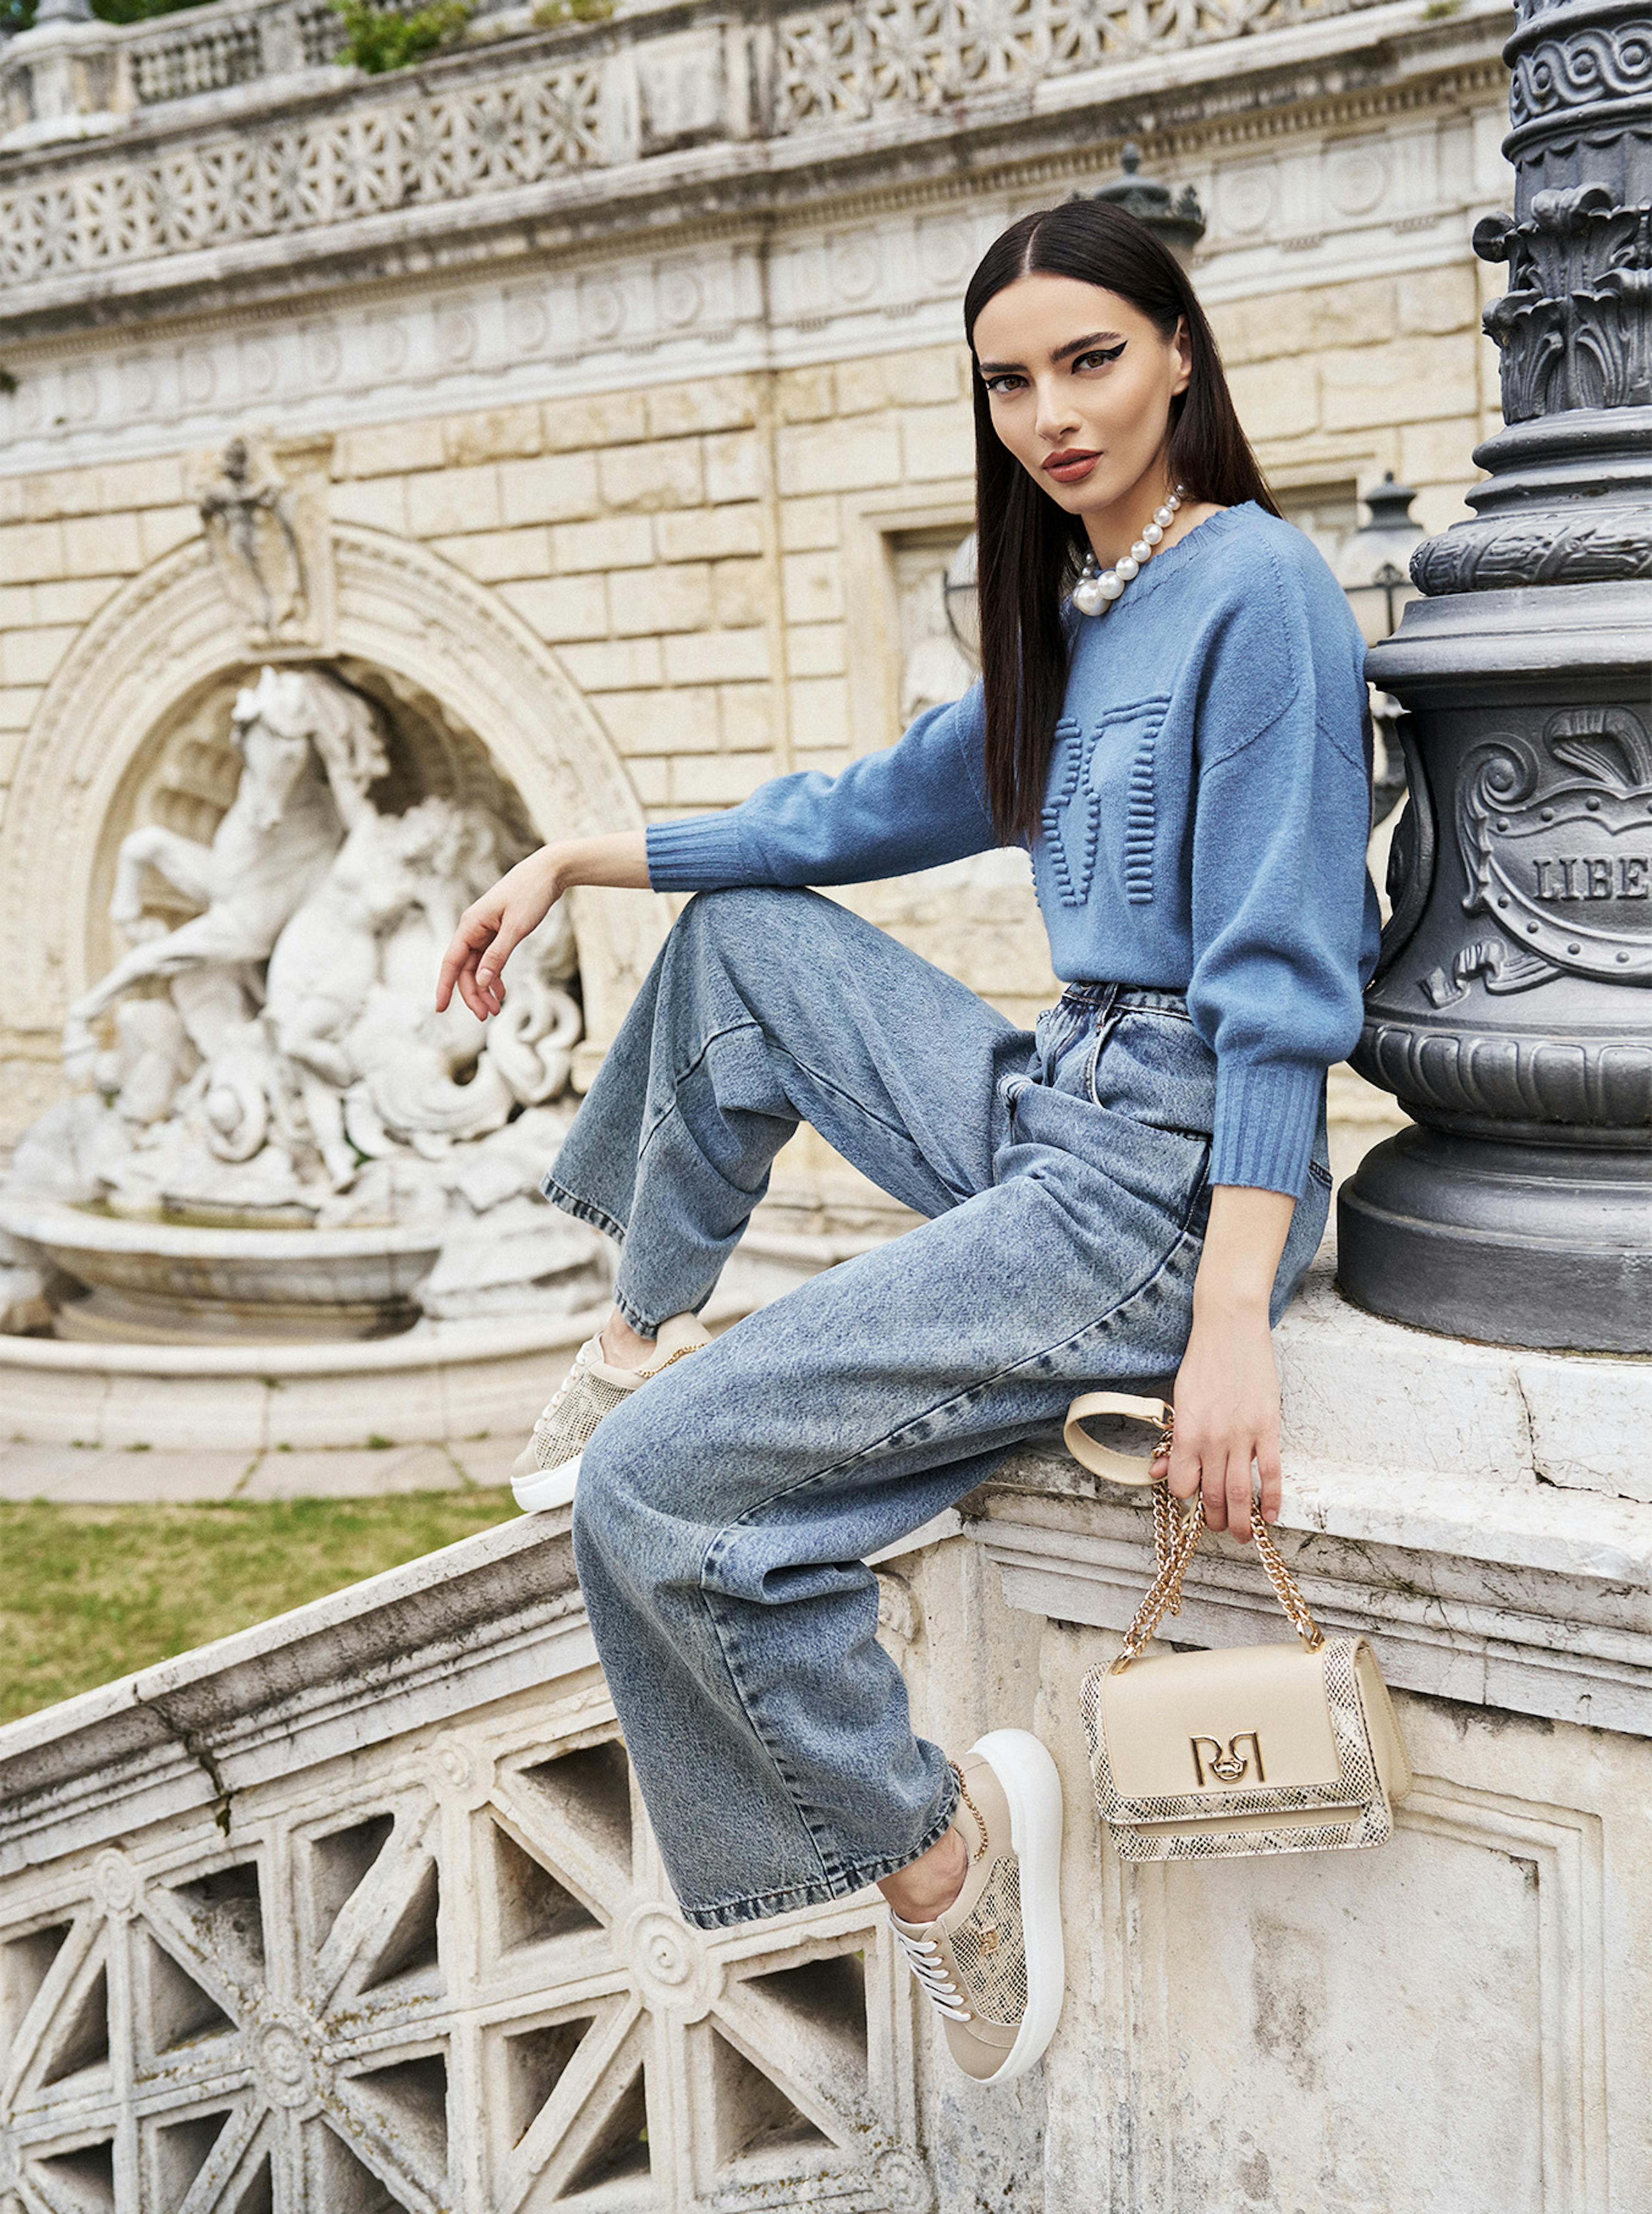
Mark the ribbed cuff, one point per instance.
(700, 855)
(1267, 1119)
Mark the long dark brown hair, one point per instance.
(1030, 550)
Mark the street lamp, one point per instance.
(1375, 567)
(962, 602)
(1511, 1009)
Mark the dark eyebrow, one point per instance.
(1062, 353)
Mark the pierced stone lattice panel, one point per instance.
(445, 1978)
(846, 63)
(368, 158)
(363, 152)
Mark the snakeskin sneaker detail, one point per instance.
(992, 1964)
(548, 1468)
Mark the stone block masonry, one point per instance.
(718, 481)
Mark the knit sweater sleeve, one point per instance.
(912, 806)
(1284, 916)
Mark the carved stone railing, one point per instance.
(360, 1909)
(219, 165)
(846, 63)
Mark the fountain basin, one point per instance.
(171, 1283)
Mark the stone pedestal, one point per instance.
(1454, 2022)
(362, 1901)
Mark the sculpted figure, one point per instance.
(350, 988)
(310, 748)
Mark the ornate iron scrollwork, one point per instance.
(1411, 856)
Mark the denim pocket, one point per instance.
(1152, 1064)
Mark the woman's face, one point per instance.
(1080, 383)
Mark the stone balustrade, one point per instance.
(359, 1909)
(251, 129)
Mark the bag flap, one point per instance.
(1230, 1720)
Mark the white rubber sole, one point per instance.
(546, 1487)
(1033, 1789)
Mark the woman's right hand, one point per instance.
(492, 928)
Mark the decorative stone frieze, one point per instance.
(344, 163)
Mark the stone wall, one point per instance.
(703, 478)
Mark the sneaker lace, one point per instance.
(542, 1427)
(923, 1958)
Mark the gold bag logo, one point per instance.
(1211, 1757)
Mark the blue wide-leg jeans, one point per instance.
(725, 1513)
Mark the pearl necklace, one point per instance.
(1098, 588)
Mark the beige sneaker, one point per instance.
(992, 1963)
(548, 1468)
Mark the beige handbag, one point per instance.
(1252, 1749)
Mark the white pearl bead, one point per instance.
(1141, 550)
(1111, 585)
(1126, 568)
(1162, 516)
(1153, 534)
(1087, 595)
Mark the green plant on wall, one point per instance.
(378, 39)
(549, 12)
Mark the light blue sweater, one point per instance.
(1204, 824)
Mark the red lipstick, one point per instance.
(1071, 466)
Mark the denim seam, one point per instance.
(678, 1080)
(831, 1865)
(717, 1547)
(830, 1869)
(644, 1325)
(747, 1906)
(680, 1077)
(828, 1084)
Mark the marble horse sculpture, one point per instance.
(301, 1042)
(307, 745)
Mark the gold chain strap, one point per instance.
(1292, 1603)
(1175, 1540)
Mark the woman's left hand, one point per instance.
(1227, 1420)
(1228, 1386)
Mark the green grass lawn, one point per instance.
(88, 1594)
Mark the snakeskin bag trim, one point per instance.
(990, 1952)
(1179, 1827)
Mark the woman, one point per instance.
(1134, 1190)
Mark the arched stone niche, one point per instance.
(133, 727)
